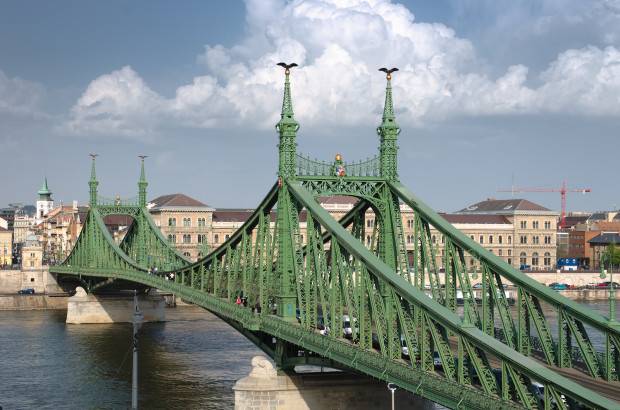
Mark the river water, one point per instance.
(189, 362)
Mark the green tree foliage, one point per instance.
(611, 256)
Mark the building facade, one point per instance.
(185, 222)
(45, 203)
(6, 247)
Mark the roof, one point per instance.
(232, 215)
(175, 200)
(605, 239)
(574, 220)
(503, 206)
(475, 219)
(338, 199)
(3, 230)
(44, 189)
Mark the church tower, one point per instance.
(45, 203)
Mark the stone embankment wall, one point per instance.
(33, 302)
(39, 279)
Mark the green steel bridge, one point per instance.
(491, 351)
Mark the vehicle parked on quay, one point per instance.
(26, 291)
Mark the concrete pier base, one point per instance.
(265, 389)
(85, 308)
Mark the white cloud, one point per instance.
(339, 45)
(20, 97)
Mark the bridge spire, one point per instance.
(388, 131)
(287, 127)
(93, 183)
(142, 184)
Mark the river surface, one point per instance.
(189, 362)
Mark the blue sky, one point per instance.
(487, 90)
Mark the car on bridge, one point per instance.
(26, 291)
(538, 390)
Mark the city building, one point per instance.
(45, 203)
(59, 229)
(32, 254)
(185, 222)
(6, 247)
(599, 244)
(527, 237)
(582, 229)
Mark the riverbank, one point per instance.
(57, 301)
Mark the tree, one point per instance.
(611, 256)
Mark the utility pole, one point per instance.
(392, 388)
(137, 323)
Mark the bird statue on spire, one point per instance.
(287, 67)
(388, 72)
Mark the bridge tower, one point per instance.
(288, 210)
(93, 183)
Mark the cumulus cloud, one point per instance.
(339, 45)
(20, 97)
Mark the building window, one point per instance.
(172, 238)
(547, 240)
(172, 221)
(443, 239)
(228, 236)
(499, 252)
(490, 238)
(547, 224)
(500, 239)
(523, 258)
(410, 223)
(472, 237)
(216, 238)
(32, 264)
(367, 240)
(509, 252)
(535, 240)
(523, 240)
(409, 239)
(202, 222)
(535, 225)
(481, 239)
(187, 254)
(509, 239)
(523, 224)
(510, 261)
(187, 238)
(187, 222)
(202, 238)
(547, 259)
(370, 223)
(535, 259)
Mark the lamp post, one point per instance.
(392, 388)
(137, 323)
(612, 290)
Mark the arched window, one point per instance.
(410, 223)
(172, 221)
(187, 254)
(481, 239)
(187, 222)
(509, 239)
(172, 238)
(523, 258)
(202, 238)
(547, 260)
(202, 222)
(499, 252)
(187, 238)
(227, 237)
(367, 240)
(535, 259)
(216, 238)
(500, 239)
(409, 239)
(434, 239)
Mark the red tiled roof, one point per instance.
(338, 199)
(176, 200)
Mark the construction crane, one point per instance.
(563, 190)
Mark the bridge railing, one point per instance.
(117, 201)
(307, 166)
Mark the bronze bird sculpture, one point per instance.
(287, 67)
(388, 71)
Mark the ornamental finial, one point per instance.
(93, 174)
(388, 132)
(93, 182)
(388, 109)
(287, 102)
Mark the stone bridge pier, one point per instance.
(88, 308)
(265, 388)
